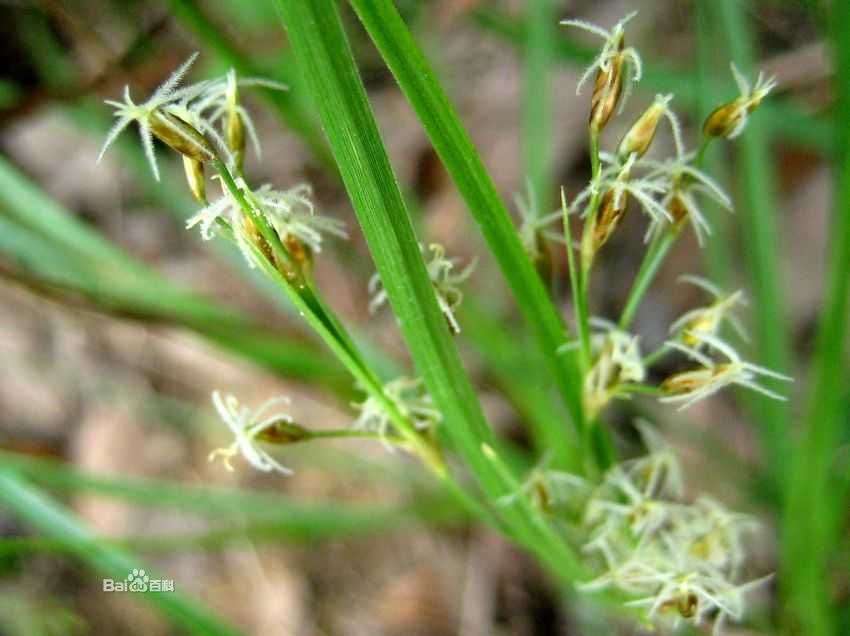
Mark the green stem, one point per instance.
(699, 160)
(652, 261)
(579, 307)
(595, 436)
(657, 355)
(583, 306)
(640, 389)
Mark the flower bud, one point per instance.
(639, 137)
(195, 178)
(181, 136)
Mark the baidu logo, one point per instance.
(138, 581)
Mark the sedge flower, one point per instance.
(617, 182)
(153, 118)
(658, 472)
(535, 226)
(688, 387)
(716, 535)
(730, 119)
(691, 327)
(218, 103)
(290, 212)
(681, 183)
(617, 362)
(616, 66)
(549, 488)
(247, 425)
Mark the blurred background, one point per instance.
(116, 323)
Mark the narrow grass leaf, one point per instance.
(419, 84)
(41, 512)
(817, 505)
(324, 57)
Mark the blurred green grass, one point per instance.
(58, 254)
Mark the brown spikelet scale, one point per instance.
(195, 178)
(676, 384)
(722, 120)
(181, 136)
(688, 604)
(607, 91)
(257, 239)
(677, 209)
(235, 136)
(283, 432)
(298, 252)
(611, 211)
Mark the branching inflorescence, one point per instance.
(675, 560)
(278, 232)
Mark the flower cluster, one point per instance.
(677, 561)
(290, 212)
(444, 278)
(201, 121)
